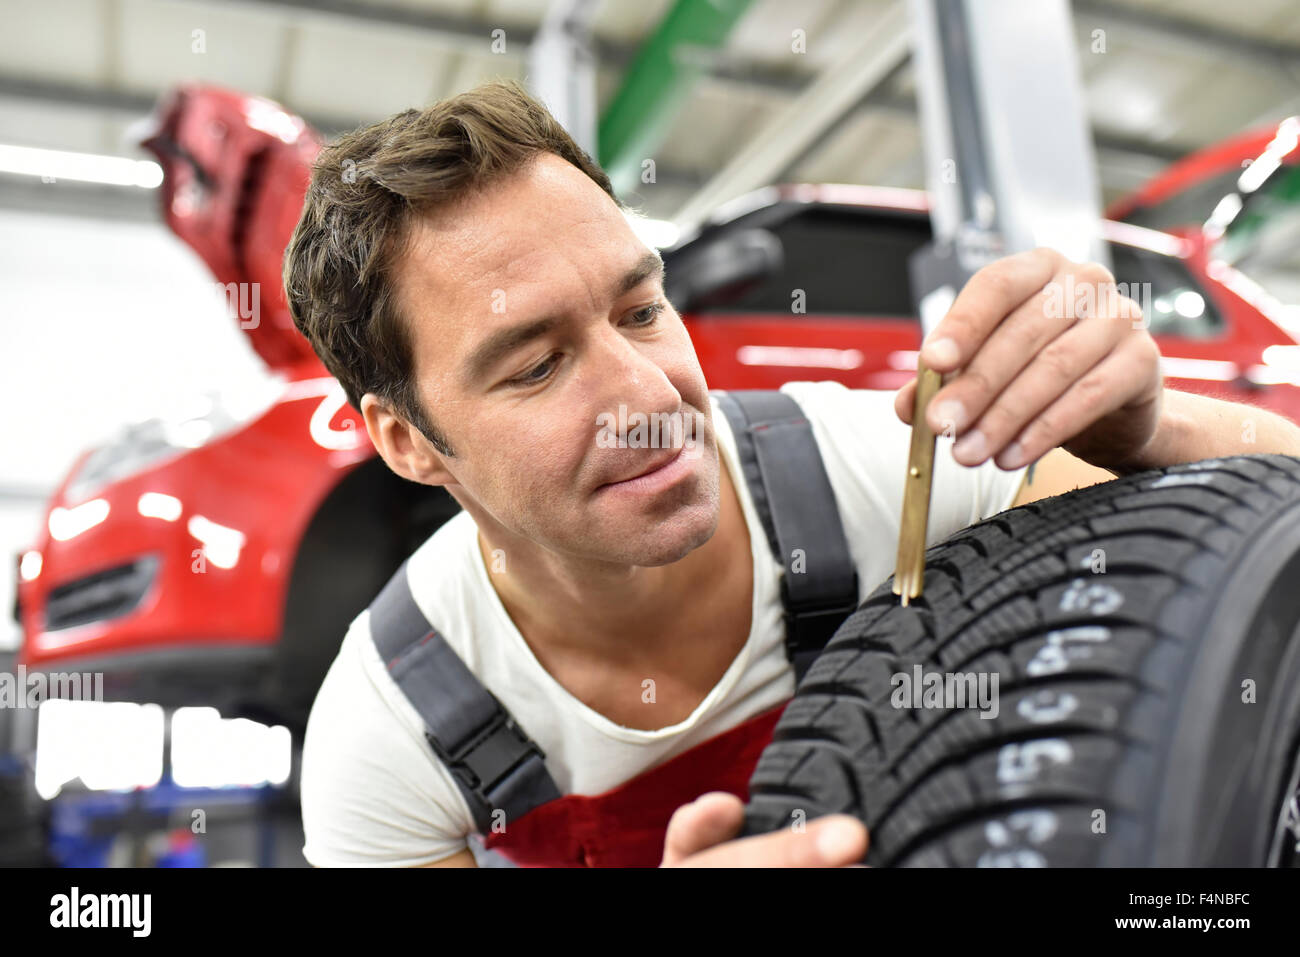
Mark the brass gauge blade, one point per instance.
(909, 573)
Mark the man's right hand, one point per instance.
(700, 834)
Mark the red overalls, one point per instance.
(625, 826)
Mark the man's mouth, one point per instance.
(666, 471)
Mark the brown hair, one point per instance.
(366, 189)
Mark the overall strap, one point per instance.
(783, 468)
(494, 763)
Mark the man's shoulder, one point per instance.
(833, 400)
(853, 427)
(372, 792)
(448, 547)
(863, 446)
(822, 391)
(356, 694)
(357, 671)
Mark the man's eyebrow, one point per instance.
(651, 264)
(500, 344)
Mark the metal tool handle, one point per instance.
(909, 572)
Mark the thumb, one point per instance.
(708, 820)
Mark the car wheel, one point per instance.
(1140, 642)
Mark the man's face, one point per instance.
(536, 313)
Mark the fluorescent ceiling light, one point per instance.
(83, 167)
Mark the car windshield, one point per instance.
(1263, 240)
(1172, 302)
(1187, 208)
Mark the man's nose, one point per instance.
(630, 377)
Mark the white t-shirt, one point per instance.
(374, 793)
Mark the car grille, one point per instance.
(104, 594)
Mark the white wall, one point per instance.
(101, 323)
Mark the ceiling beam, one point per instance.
(127, 102)
(725, 67)
(1190, 34)
(888, 99)
(135, 105)
(884, 97)
(55, 93)
(796, 125)
(86, 200)
(659, 82)
(433, 25)
(458, 31)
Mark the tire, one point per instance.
(1127, 625)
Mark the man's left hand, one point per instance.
(1043, 352)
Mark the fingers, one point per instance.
(1027, 351)
(1093, 397)
(904, 401)
(1004, 411)
(836, 840)
(700, 835)
(992, 293)
(1011, 347)
(708, 820)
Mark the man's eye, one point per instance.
(537, 374)
(647, 316)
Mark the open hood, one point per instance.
(235, 171)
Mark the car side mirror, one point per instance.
(722, 270)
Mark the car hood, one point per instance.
(235, 171)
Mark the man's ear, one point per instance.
(402, 445)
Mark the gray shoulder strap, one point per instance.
(792, 494)
(495, 764)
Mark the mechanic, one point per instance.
(467, 274)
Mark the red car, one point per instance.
(846, 248)
(218, 560)
(1243, 197)
(1188, 191)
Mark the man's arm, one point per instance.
(1194, 427)
(1056, 473)
(372, 794)
(463, 858)
(1191, 428)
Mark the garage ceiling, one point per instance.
(1175, 75)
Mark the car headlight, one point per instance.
(142, 444)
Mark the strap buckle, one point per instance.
(808, 627)
(488, 755)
